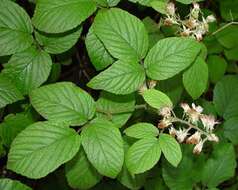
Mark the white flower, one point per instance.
(198, 109)
(186, 31)
(143, 88)
(208, 122)
(181, 135)
(210, 18)
(172, 131)
(185, 107)
(164, 123)
(152, 83)
(196, 6)
(198, 148)
(213, 137)
(194, 113)
(194, 139)
(170, 9)
(165, 111)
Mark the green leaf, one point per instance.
(159, 6)
(228, 9)
(195, 79)
(116, 108)
(142, 2)
(188, 1)
(221, 166)
(225, 96)
(56, 16)
(41, 148)
(143, 155)
(123, 34)
(170, 56)
(8, 184)
(80, 173)
(31, 67)
(142, 130)
(63, 101)
(231, 129)
(123, 77)
(228, 37)
(106, 3)
(217, 67)
(15, 28)
(232, 54)
(157, 99)
(103, 145)
(58, 43)
(8, 92)
(171, 149)
(97, 52)
(12, 125)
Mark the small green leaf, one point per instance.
(15, 28)
(123, 34)
(63, 101)
(41, 148)
(56, 16)
(143, 155)
(80, 173)
(195, 79)
(8, 92)
(221, 166)
(170, 149)
(157, 99)
(170, 56)
(58, 43)
(103, 145)
(8, 184)
(142, 130)
(31, 67)
(123, 77)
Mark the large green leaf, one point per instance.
(41, 148)
(195, 79)
(56, 16)
(97, 52)
(142, 2)
(12, 125)
(8, 92)
(103, 145)
(80, 173)
(123, 77)
(188, 1)
(123, 34)
(8, 184)
(142, 130)
(170, 56)
(228, 9)
(116, 108)
(15, 28)
(58, 43)
(143, 155)
(221, 166)
(225, 96)
(31, 68)
(63, 101)
(231, 129)
(157, 99)
(106, 3)
(170, 149)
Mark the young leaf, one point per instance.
(170, 56)
(15, 28)
(56, 16)
(123, 34)
(142, 130)
(195, 79)
(171, 149)
(8, 184)
(221, 166)
(97, 52)
(63, 101)
(157, 99)
(103, 145)
(143, 155)
(8, 92)
(58, 43)
(31, 68)
(123, 77)
(41, 148)
(80, 173)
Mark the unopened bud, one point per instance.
(152, 84)
(165, 111)
(198, 148)
(213, 138)
(170, 8)
(194, 139)
(210, 18)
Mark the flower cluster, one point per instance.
(194, 24)
(191, 120)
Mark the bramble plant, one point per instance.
(118, 94)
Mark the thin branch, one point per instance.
(224, 27)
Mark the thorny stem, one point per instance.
(224, 27)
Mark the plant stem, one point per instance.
(224, 27)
